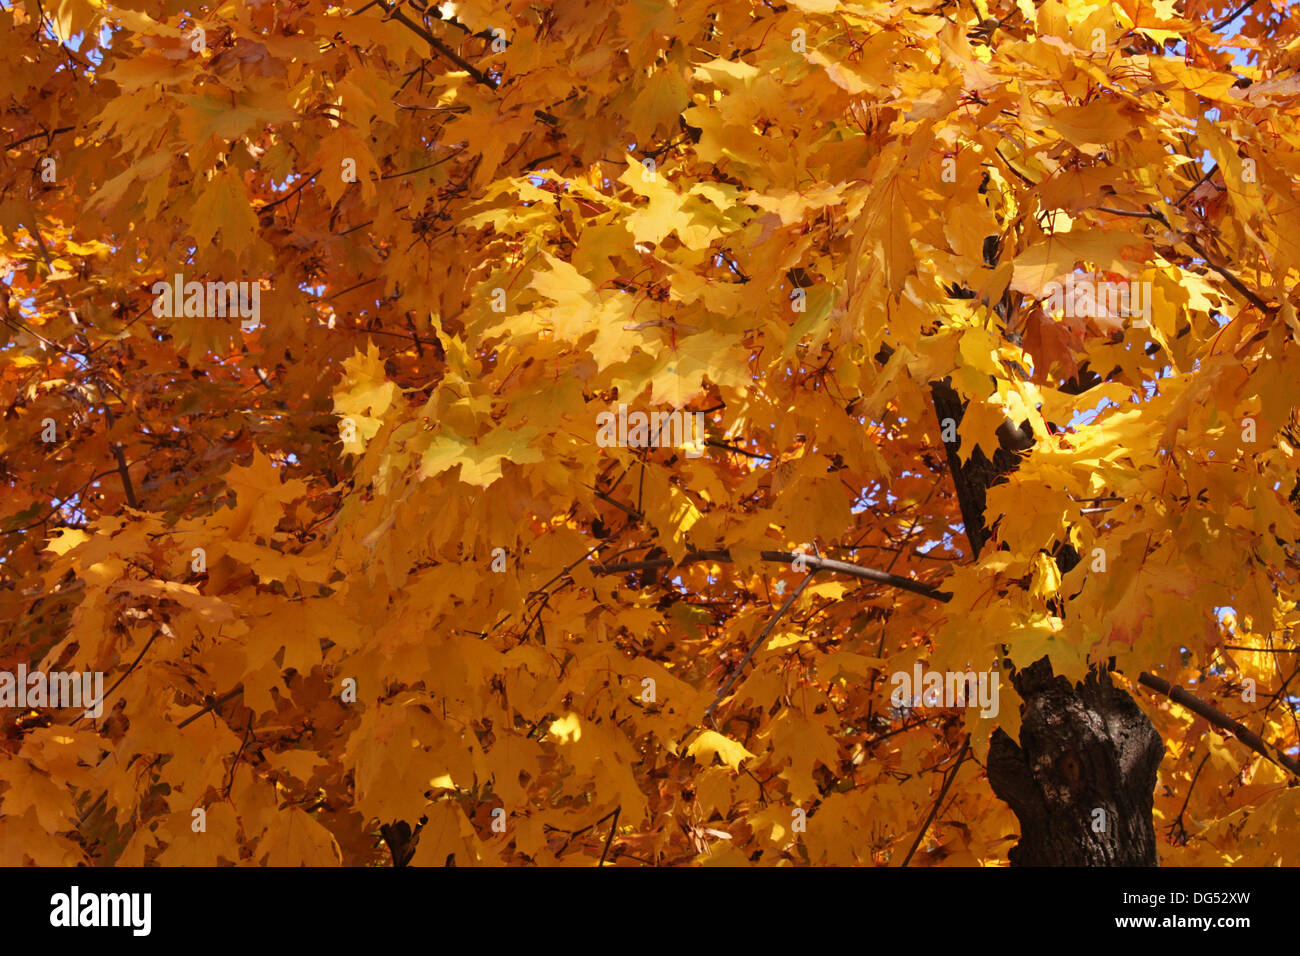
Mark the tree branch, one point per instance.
(48, 134)
(813, 563)
(120, 457)
(1222, 721)
(450, 54)
(1231, 279)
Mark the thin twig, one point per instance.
(420, 169)
(610, 838)
(1178, 820)
(1233, 15)
(285, 198)
(943, 792)
(715, 443)
(1208, 174)
(736, 671)
(211, 706)
(147, 644)
(34, 228)
(234, 767)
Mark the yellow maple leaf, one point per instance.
(260, 497)
(710, 743)
(222, 209)
(480, 457)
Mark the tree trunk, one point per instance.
(1081, 781)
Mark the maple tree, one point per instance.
(365, 587)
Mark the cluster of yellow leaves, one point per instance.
(345, 570)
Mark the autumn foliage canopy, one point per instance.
(363, 585)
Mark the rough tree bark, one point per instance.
(1082, 780)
